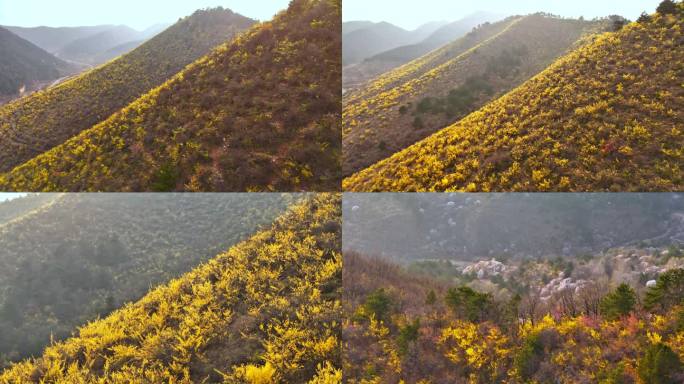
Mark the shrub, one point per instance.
(660, 365)
(377, 304)
(408, 334)
(619, 302)
(667, 7)
(468, 303)
(668, 291)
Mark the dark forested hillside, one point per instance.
(605, 117)
(265, 311)
(23, 65)
(66, 259)
(35, 124)
(470, 226)
(256, 114)
(423, 96)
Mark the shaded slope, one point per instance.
(22, 64)
(46, 119)
(67, 259)
(605, 117)
(267, 310)
(256, 114)
(425, 95)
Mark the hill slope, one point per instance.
(35, 124)
(605, 117)
(256, 114)
(401, 326)
(357, 74)
(23, 65)
(413, 101)
(267, 310)
(66, 259)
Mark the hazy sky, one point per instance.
(412, 13)
(8, 196)
(138, 14)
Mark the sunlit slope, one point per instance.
(608, 116)
(259, 113)
(37, 123)
(67, 259)
(267, 310)
(434, 91)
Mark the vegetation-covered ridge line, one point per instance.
(33, 212)
(267, 310)
(43, 120)
(413, 85)
(197, 132)
(381, 82)
(453, 165)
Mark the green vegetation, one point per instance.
(619, 303)
(255, 114)
(603, 118)
(46, 119)
(265, 311)
(68, 258)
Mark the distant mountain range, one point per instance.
(87, 45)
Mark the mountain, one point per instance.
(351, 26)
(52, 39)
(266, 310)
(587, 123)
(463, 227)
(370, 40)
(37, 123)
(23, 66)
(436, 35)
(417, 99)
(69, 258)
(255, 114)
(116, 51)
(84, 50)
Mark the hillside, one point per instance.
(23, 65)
(37, 123)
(425, 95)
(402, 326)
(255, 114)
(464, 227)
(357, 74)
(68, 258)
(604, 117)
(267, 310)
